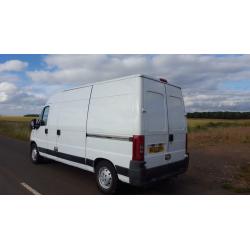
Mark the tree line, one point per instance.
(220, 115)
(31, 115)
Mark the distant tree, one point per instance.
(220, 115)
(31, 115)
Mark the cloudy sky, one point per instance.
(209, 82)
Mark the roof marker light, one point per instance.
(163, 80)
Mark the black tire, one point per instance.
(106, 174)
(35, 159)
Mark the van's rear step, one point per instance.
(139, 175)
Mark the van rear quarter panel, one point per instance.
(114, 110)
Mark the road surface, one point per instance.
(19, 176)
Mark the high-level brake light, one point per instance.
(163, 80)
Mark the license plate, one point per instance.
(156, 148)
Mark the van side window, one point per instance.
(45, 115)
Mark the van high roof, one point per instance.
(120, 78)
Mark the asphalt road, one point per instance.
(19, 176)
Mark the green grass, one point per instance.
(205, 124)
(15, 127)
(16, 118)
(18, 126)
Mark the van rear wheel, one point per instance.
(34, 154)
(106, 177)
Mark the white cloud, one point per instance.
(79, 69)
(202, 77)
(13, 65)
(217, 101)
(14, 100)
(74, 61)
(6, 91)
(186, 70)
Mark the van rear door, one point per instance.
(177, 123)
(155, 125)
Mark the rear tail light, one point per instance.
(138, 148)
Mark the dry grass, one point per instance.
(19, 130)
(15, 127)
(15, 118)
(202, 132)
(208, 132)
(214, 136)
(195, 125)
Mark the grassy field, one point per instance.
(16, 118)
(195, 125)
(201, 131)
(209, 132)
(233, 135)
(15, 126)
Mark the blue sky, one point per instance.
(209, 82)
(237, 85)
(35, 61)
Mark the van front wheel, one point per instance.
(106, 177)
(34, 154)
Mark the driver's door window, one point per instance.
(44, 116)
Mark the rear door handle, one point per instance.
(58, 132)
(46, 131)
(171, 137)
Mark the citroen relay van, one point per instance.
(131, 129)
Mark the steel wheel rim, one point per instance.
(105, 177)
(34, 154)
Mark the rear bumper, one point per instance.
(139, 175)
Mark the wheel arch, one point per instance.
(32, 142)
(97, 160)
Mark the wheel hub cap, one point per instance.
(34, 154)
(105, 178)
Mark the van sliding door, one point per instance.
(71, 129)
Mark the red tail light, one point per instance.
(138, 148)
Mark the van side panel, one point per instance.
(113, 118)
(73, 108)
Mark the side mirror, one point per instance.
(34, 124)
(41, 123)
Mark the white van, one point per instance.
(131, 129)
